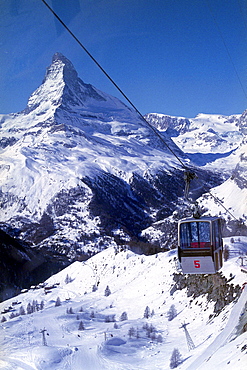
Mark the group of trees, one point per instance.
(110, 318)
(148, 313)
(68, 279)
(31, 307)
(147, 330)
(171, 314)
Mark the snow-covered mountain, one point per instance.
(79, 168)
(210, 140)
(81, 174)
(206, 133)
(121, 310)
(74, 154)
(80, 171)
(213, 142)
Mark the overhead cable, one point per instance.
(114, 83)
(129, 101)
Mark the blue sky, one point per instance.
(177, 57)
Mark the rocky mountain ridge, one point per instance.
(206, 133)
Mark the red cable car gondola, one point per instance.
(200, 245)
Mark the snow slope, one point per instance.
(135, 282)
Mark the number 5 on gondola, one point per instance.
(200, 245)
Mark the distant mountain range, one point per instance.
(81, 171)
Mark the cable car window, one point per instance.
(216, 233)
(195, 235)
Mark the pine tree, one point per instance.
(137, 333)
(34, 305)
(124, 316)
(81, 326)
(69, 310)
(150, 330)
(131, 332)
(12, 315)
(147, 313)
(68, 279)
(145, 326)
(172, 313)
(94, 288)
(58, 302)
(29, 308)
(22, 311)
(176, 359)
(159, 338)
(107, 291)
(3, 319)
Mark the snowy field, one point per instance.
(79, 324)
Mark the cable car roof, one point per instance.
(204, 218)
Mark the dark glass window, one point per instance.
(217, 234)
(195, 235)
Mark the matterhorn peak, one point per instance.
(60, 57)
(62, 87)
(61, 65)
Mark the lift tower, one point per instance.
(188, 337)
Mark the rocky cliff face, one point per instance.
(243, 123)
(217, 288)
